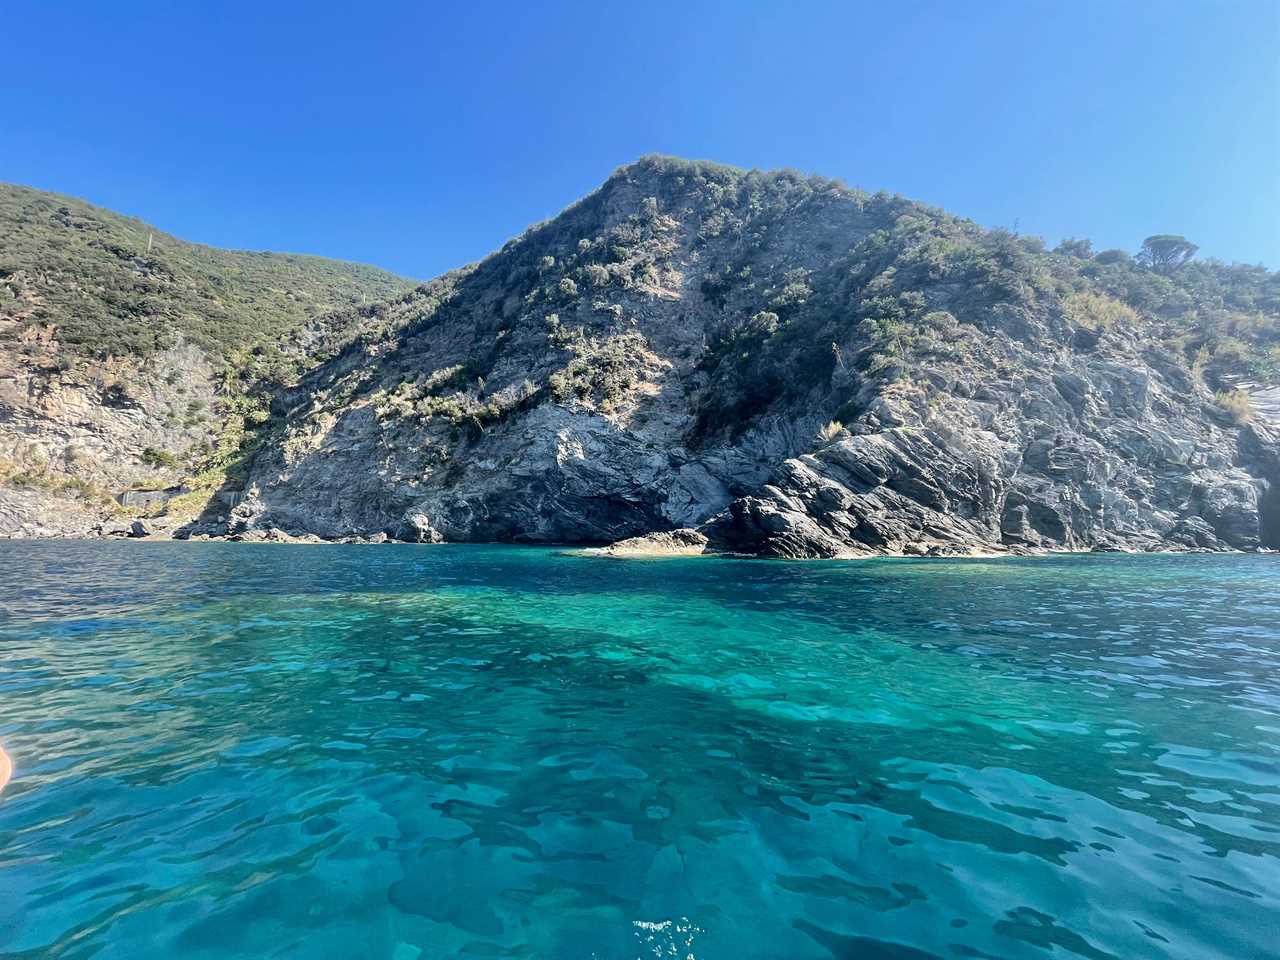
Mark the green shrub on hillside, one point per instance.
(1097, 312)
(160, 458)
(1236, 404)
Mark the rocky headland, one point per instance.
(693, 359)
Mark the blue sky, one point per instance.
(421, 136)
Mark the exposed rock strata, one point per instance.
(1018, 430)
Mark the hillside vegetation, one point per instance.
(798, 276)
(132, 359)
(113, 286)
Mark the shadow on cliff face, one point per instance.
(216, 514)
(1261, 452)
(212, 519)
(1269, 514)
(545, 471)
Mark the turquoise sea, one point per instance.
(242, 750)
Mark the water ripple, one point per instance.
(409, 752)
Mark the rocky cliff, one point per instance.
(778, 365)
(128, 359)
(794, 369)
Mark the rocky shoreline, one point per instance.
(664, 544)
(701, 360)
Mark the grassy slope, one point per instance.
(88, 272)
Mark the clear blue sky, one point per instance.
(421, 136)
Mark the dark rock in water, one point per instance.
(272, 535)
(909, 491)
(891, 492)
(139, 529)
(111, 529)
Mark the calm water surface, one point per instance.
(234, 750)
